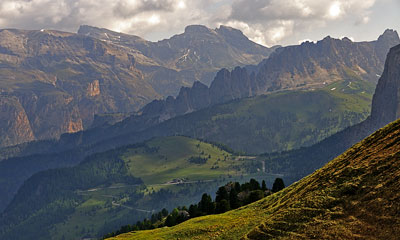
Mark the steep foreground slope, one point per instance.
(355, 196)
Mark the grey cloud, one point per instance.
(265, 21)
(126, 8)
(278, 19)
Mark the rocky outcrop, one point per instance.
(93, 89)
(14, 122)
(386, 101)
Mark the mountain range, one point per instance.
(56, 82)
(293, 165)
(107, 111)
(317, 64)
(151, 120)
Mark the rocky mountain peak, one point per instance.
(385, 41)
(389, 35)
(85, 29)
(328, 40)
(230, 32)
(346, 39)
(197, 29)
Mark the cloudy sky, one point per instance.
(268, 22)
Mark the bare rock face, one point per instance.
(61, 80)
(93, 88)
(14, 122)
(386, 101)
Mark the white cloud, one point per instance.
(335, 10)
(264, 21)
(278, 19)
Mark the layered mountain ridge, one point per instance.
(55, 82)
(309, 65)
(195, 55)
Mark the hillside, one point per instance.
(352, 197)
(302, 117)
(276, 122)
(118, 187)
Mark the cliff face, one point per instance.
(14, 122)
(58, 81)
(386, 102)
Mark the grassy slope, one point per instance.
(355, 196)
(154, 168)
(94, 206)
(171, 161)
(279, 121)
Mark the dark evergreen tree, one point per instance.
(222, 206)
(193, 211)
(206, 205)
(278, 185)
(254, 185)
(171, 219)
(255, 196)
(221, 194)
(164, 212)
(233, 199)
(237, 187)
(263, 185)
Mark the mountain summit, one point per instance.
(194, 55)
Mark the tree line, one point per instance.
(230, 196)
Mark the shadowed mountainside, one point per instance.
(355, 196)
